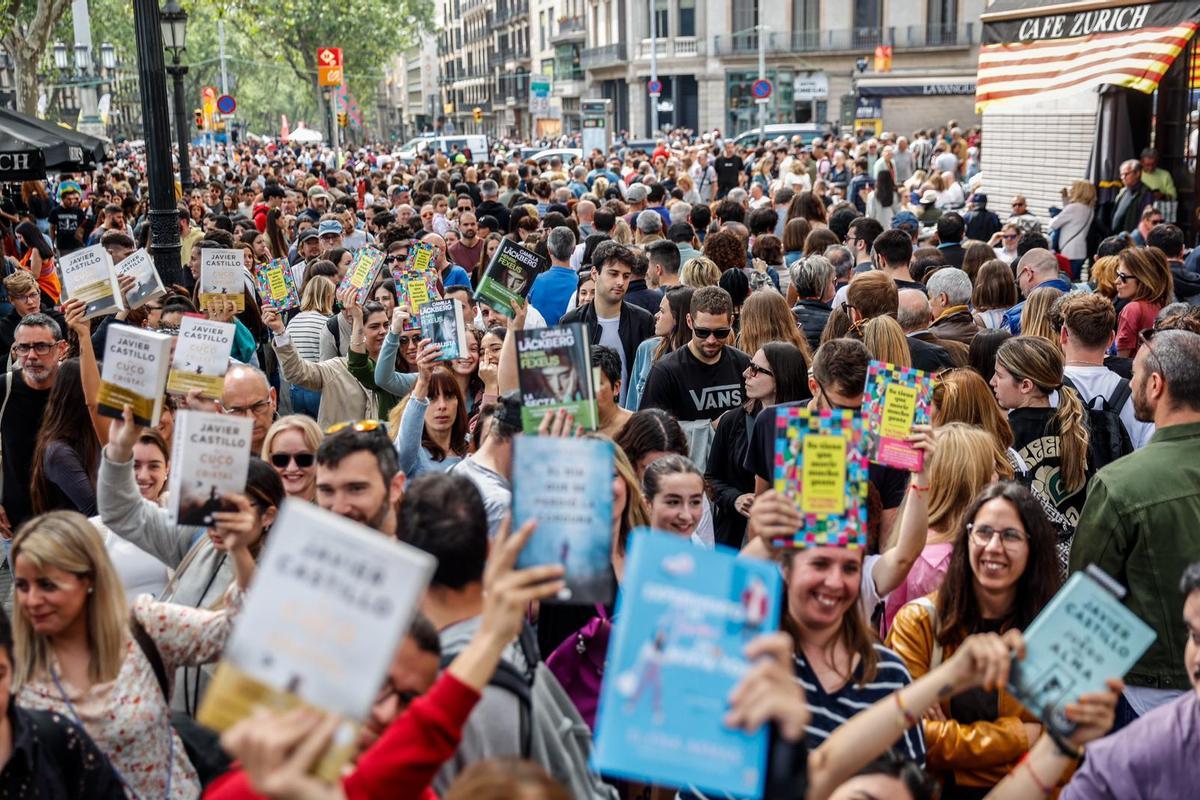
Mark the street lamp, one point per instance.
(83, 58)
(108, 56)
(61, 60)
(174, 35)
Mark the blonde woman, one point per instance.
(1035, 315)
(79, 653)
(1072, 223)
(767, 318)
(886, 342)
(290, 447)
(1103, 273)
(621, 232)
(699, 272)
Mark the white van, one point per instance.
(425, 145)
(806, 130)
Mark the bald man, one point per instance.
(248, 393)
(1037, 268)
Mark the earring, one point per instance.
(91, 589)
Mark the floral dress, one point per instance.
(128, 718)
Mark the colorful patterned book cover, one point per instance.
(364, 269)
(277, 285)
(820, 464)
(417, 283)
(895, 399)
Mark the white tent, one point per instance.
(306, 136)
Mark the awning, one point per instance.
(1047, 49)
(20, 161)
(94, 148)
(919, 85)
(58, 153)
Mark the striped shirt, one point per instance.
(305, 332)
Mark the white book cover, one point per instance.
(201, 357)
(88, 275)
(135, 368)
(149, 285)
(212, 453)
(222, 275)
(330, 604)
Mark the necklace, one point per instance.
(1085, 363)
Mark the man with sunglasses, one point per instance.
(1138, 523)
(701, 381)
(1036, 268)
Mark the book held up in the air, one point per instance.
(213, 453)
(555, 371)
(277, 285)
(363, 271)
(88, 275)
(222, 272)
(444, 322)
(1084, 636)
(895, 399)
(149, 285)
(201, 357)
(509, 276)
(566, 485)
(683, 618)
(417, 283)
(134, 373)
(331, 602)
(821, 466)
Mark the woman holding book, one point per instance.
(432, 430)
(203, 568)
(1001, 574)
(81, 653)
(290, 446)
(670, 333)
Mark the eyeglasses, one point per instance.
(244, 411)
(303, 460)
(706, 333)
(361, 426)
(829, 401)
(410, 341)
(29, 298)
(983, 535)
(846, 309)
(756, 370)
(41, 348)
(1010, 236)
(1124, 276)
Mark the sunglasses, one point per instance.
(361, 426)
(756, 370)
(303, 460)
(706, 333)
(1124, 276)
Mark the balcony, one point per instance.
(569, 85)
(609, 55)
(570, 29)
(677, 47)
(847, 39)
(510, 11)
(472, 5)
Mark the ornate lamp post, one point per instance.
(174, 34)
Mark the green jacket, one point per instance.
(1141, 525)
(362, 367)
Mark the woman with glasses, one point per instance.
(290, 446)
(1001, 574)
(199, 557)
(1145, 283)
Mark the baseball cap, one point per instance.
(905, 221)
(330, 226)
(318, 191)
(305, 235)
(489, 222)
(636, 193)
(930, 196)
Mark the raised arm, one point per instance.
(893, 567)
(386, 377)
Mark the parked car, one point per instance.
(424, 145)
(807, 131)
(567, 154)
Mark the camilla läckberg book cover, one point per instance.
(509, 276)
(330, 603)
(136, 362)
(443, 322)
(555, 371)
(212, 452)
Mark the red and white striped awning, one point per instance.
(1029, 53)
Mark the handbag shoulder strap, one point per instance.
(935, 655)
(150, 650)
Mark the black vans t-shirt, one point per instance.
(690, 389)
(66, 221)
(18, 434)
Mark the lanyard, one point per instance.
(120, 777)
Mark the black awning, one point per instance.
(94, 149)
(20, 161)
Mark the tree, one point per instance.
(27, 30)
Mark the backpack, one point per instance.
(1107, 438)
(551, 730)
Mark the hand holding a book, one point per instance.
(233, 532)
(517, 321)
(429, 355)
(73, 313)
(400, 318)
(769, 692)
(271, 318)
(773, 516)
(221, 309)
(348, 297)
(123, 434)
(1094, 713)
(982, 661)
(278, 751)
(559, 423)
(922, 438)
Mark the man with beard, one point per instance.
(1139, 521)
(359, 477)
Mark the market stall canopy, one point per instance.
(94, 147)
(306, 136)
(20, 161)
(1042, 48)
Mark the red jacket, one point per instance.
(405, 759)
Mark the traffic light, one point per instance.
(343, 119)
(199, 119)
(477, 112)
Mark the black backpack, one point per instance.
(1107, 438)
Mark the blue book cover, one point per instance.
(566, 485)
(683, 619)
(1083, 637)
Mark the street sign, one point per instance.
(654, 87)
(226, 104)
(329, 66)
(761, 89)
(329, 56)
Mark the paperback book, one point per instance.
(201, 357)
(214, 453)
(416, 286)
(566, 485)
(277, 285)
(821, 465)
(149, 285)
(509, 276)
(555, 371)
(684, 616)
(1084, 636)
(89, 275)
(363, 272)
(443, 322)
(222, 272)
(331, 603)
(896, 398)
(134, 373)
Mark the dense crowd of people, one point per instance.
(718, 286)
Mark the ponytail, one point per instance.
(1072, 438)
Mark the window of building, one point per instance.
(541, 30)
(942, 20)
(868, 15)
(744, 24)
(660, 19)
(687, 17)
